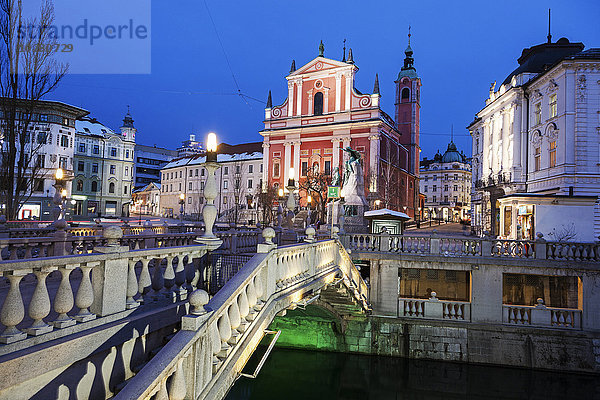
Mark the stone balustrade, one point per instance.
(468, 246)
(219, 335)
(542, 316)
(53, 293)
(434, 308)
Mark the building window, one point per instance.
(536, 156)
(80, 166)
(180, 186)
(445, 199)
(201, 188)
(113, 169)
(80, 185)
(276, 170)
(445, 188)
(425, 189)
(189, 200)
(113, 151)
(82, 147)
(94, 186)
(553, 108)
(405, 94)
(125, 189)
(225, 184)
(434, 188)
(96, 149)
(126, 153)
(304, 168)
(225, 171)
(553, 153)
(224, 200)
(111, 187)
(455, 187)
(261, 168)
(318, 106)
(435, 177)
(238, 170)
(190, 186)
(62, 163)
(327, 167)
(434, 199)
(250, 169)
(249, 183)
(95, 168)
(64, 141)
(126, 171)
(537, 114)
(181, 175)
(455, 177)
(191, 172)
(40, 160)
(196, 171)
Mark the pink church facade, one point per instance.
(324, 113)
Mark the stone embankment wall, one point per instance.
(575, 351)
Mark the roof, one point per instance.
(541, 57)
(221, 158)
(386, 214)
(51, 104)
(253, 147)
(452, 154)
(90, 126)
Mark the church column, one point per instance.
(266, 166)
(505, 138)
(290, 112)
(287, 158)
(336, 154)
(338, 92)
(296, 161)
(373, 162)
(299, 99)
(348, 91)
(325, 100)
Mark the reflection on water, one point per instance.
(305, 375)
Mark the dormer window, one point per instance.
(318, 106)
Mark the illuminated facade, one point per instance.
(324, 113)
(536, 147)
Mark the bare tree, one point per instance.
(238, 192)
(315, 184)
(266, 202)
(565, 233)
(28, 72)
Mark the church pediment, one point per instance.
(320, 64)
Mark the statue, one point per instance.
(354, 159)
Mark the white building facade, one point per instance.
(536, 148)
(104, 169)
(446, 183)
(238, 183)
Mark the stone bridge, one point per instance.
(134, 321)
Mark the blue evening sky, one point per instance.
(460, 47)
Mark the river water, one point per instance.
(307, 375)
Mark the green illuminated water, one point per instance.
(308, 375)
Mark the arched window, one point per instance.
(318, 107)
(405, 94)
(80, 185)
(111, 188)
(94, 186)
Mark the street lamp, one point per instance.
(377, 203)
(308, 206)
(57, 210)
(291, 201)
(209, 211)
(181, 203)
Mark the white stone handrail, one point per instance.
(434, 308)
(573, 251)
(219, 336)
(109, 282)
(542, 316)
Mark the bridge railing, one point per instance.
(49, 294)
(434, 308)
(198, 356)
(467, 246)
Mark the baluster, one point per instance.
(85, 296)
(215, 340)
(251, 294)
(132, 286)
(224, 334)
(13, 310)
(554, 320)
(157, 278)
(162, 394)
(562, 320)
(259, 289)
(177, 389)
(169, 277)
(63, 301)
(411, 308)
(235, 321)
(244, 309)
(145, 280)
(180, 276)
(39, 308)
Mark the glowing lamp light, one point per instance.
(280, 192)
(63, 193)
(309, 198)
(59, 174)
(211, 147)
(291, 181)
(181, 196)
(377, 202)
